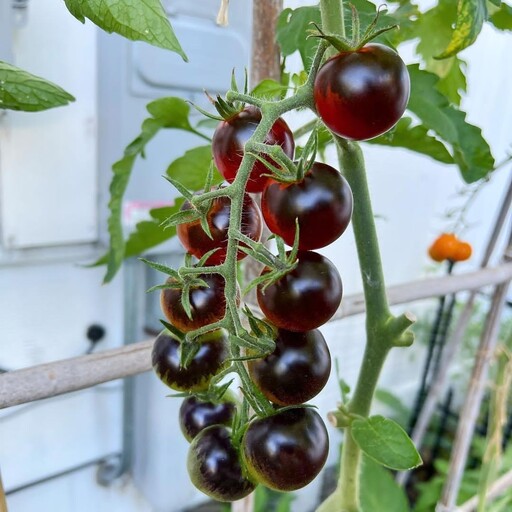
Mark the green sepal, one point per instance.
(188, 351)
(179, 187)
(181, 217)
(173, 330)
(161, 268)
(204, 258)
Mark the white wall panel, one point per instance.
(48, 178)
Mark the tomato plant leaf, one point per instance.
(471, 15)
(415, 138)
(386, 442)
(149, 233)
(138, 20)
(165, 113)
(270, 89)
(502, 18)
(434, 30)
(20, 90)
(379, 491)
(191, 168)
(471, 152)
(292, 27)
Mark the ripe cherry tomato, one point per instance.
(462, 252)
(286, 451)
(208, 305)
(196, 415)
(198, 243)
(321, 201)
(229, 140)
(296, 371)
(209, 360)
(304, 298)
(444, 247)
(214, 466)
(362, 94)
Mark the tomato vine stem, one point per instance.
(383, 330)
(271, 111)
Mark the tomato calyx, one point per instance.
(358, 40)
(200, 204)
(276, 266)
(287, 170)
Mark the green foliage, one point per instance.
(267, 500)
(443, 133)
(149, 233)
(397, 410)
(379, 491)
(416, 138)
(292, 29)
(502, 18)
(190, 169)
(471, 15)
(430, 491)
(138, 20)
(386, 442)
(270, 89)
(165, 113)
(470, 150)
(19, 90)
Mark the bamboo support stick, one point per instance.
(455, 339)
(474, 395)
(68, 375)
(501, 485)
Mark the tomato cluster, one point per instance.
(297, 291)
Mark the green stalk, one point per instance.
(383, 330)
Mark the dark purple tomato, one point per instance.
(214, 466)
(208, 305)
(229, 140)
(286, 451)
(360, 95)
(306, 297)
(198, 243)
(210, 359)
(296, 371)
(321, 201)
(196, 415)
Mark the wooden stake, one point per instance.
(3, 502)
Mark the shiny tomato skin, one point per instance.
(214, 466)
(198, 243)
(306, 297)
(229, 140)
(296, 371)
(362, 94)
(196, 415)
(209, 360)
(321, 201)
(286, 451)
(208, 305)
